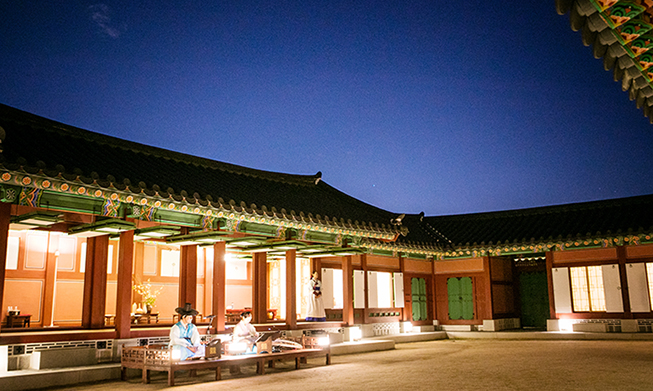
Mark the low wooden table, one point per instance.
(18, 320)
(150, 358)
(158, 364)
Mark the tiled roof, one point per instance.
(621, 33)
(35, 144)
(588, 220)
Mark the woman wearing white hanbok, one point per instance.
(315, 305)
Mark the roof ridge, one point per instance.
(18, 115)
(560, 208)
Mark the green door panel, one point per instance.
(461, 298)
(467, 293)
(455, 299)
(422, 299)
(418, 286)
(534, 294)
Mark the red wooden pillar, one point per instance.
(124, 285)
(348, 292)
(486, 310)
(316, 266)
(549, 277)
(5, 218)
(291, 289)
(260, 288)
(625, 297)
(50, 280)
(95, 282)
(366, 287)
(208, 282)
(219, 285)
(188, 275)
(434, 306)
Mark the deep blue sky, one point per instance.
(436, 106)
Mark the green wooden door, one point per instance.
(422, 298)
(418, 293)
(534, 295)
(461, 298)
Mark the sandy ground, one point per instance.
(444, 365)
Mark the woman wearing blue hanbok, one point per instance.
(184, 338)
(315, 305)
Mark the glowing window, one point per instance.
(170, 263)
(12, 253)
(649, 274)
(587, 289)
(597, 292)
(385, 291)
(82, 260)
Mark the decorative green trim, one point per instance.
(90, 198)
(383, 253)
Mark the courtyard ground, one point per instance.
(443, 365)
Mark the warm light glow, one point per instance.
(237, 347)
(323, 341)
(355, 334)
(566, 324)
(408, 327)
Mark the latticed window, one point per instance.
(587, 289)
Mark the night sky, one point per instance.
(445, 107)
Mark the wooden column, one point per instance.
(208, 282)
(291, 289)
(549, 277)
(219, 285)
(489, 305)
(316, 266)
(434, 306)
(625, 297)
(366, 287)
(50, 279)
(348, 292)
(95, 282)
(5, 218)
(124, 285)
(188, 275)
(260, 288)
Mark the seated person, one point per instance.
(244, 331)
(184, 338)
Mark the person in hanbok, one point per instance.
(244, 331)
(315, 305)
(185, 340)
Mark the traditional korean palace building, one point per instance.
(89, 224)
